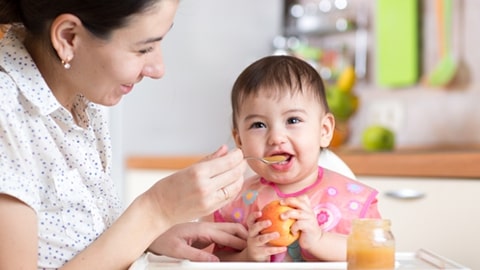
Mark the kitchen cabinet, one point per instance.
(433, 213)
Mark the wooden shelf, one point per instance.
(444, 163)
(160, 162)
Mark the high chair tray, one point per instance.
(420, 260)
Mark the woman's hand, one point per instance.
(186, 240)
(200, 189)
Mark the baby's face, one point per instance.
(291, 125)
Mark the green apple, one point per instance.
(341, 103)
(378, 138)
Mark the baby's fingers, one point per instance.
(252, 218)
(255, 229)
(264, 239)
(255, 226)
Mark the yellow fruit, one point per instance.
(347, 79)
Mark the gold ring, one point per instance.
(225, 192)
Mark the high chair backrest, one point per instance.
(331, 161)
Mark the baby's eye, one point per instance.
(258, 125)
(145, 51)
(294, 120)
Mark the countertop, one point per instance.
(444, 162)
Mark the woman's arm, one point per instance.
(181, 197)
(186, 195)
(125, 240)
(18, 234)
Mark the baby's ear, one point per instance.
(327, 127)
(236, 138)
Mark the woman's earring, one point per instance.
(66, 63)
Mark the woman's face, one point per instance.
(105, 70)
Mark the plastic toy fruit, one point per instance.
(378, 138)
(272, 212)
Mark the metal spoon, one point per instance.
(269, 160)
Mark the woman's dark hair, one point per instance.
(100, 17)
(278, 76)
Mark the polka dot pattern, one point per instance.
(59, 168)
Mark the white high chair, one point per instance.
(331, 161)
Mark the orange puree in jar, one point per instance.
(371, 258)
(370, 245)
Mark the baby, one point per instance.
(279, 108)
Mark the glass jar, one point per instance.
(371, 245)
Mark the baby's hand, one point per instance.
(257, 244)
(306, 221)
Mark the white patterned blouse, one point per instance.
(57, 167)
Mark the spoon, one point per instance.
(269, 160)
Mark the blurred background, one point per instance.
(188, 111)
(411, 66)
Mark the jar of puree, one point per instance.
(370, 245)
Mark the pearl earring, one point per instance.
(66, 64)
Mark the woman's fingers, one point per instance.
(221, 151)
(221, 162)
(232, 235)
(225, 174)
(232, 184)
(197, 255)
(200, 189)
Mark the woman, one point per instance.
(58, 209)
